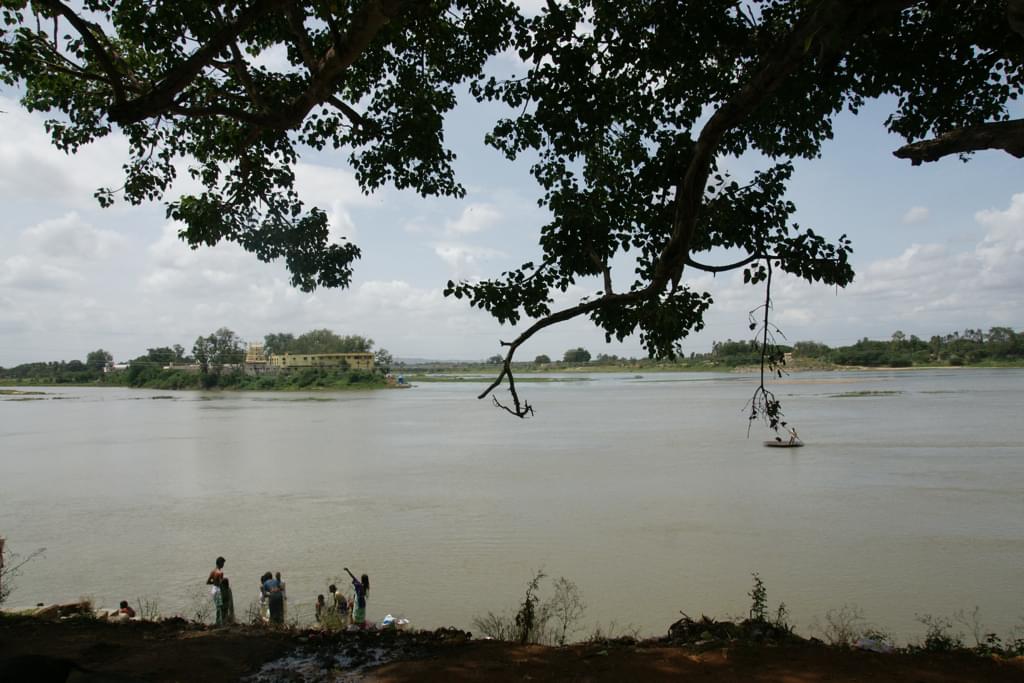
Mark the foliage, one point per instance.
(218, 349)
(938, 637)
(550, 622)
(183, 79)
(383, 360)
(496, 626)
(565, 608)
(253, 617)
(613, 631)
(11, 566)
(96, 360)
(758, 600)
(542, 359)
(527, 623)
(200, 604)
(315, 341)
(164, 355)
(147, 608)
(759, 608)
(629, 130)
(844, 625)
(577, 355)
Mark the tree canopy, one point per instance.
(631, 108)
(315, 341)
(577, 355)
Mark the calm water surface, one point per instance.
(908, 498)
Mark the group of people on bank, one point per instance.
(342, 610)
(273, 598)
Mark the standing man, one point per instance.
(213, 581)
(275, 600)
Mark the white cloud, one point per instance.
(70, 237)
(465, 260)
(916, 214)
(22, 272)
(414, 226)
(1001, 252)
(474, 218)
(56, 254)
(31, 168)
(180, 271)
(323, 186)
(928, 288)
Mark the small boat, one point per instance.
(784, 443)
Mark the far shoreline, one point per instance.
(474, 374)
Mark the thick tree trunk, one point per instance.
(1004, 135)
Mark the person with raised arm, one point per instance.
(362, 590)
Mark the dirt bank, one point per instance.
(33, 650)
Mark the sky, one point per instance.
(937, 248)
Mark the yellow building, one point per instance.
(254, 355)
(354, 361)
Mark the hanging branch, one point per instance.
(520, 409)
(763, 404)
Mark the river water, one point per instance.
(644, 490)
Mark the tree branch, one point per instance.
(352, 115)
(366, 24)
(238, 65)
(557, 317)
(297, 26)
(851, 18)
(1005, 135)
(215, 110)
(160, 98)
(86, 30)
(721, 269)
(763, 403)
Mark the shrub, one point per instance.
(938, 637)
(549, 623)
(11, 566)
(147, 608)
(844, 625)
(758, 600)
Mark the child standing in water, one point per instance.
(362, 589)
(321, 609)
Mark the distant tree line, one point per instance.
(61, 372)
(999, 345)
(215, 361)
(970, 347)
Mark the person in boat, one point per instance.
(126, 610)
(793, 436)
